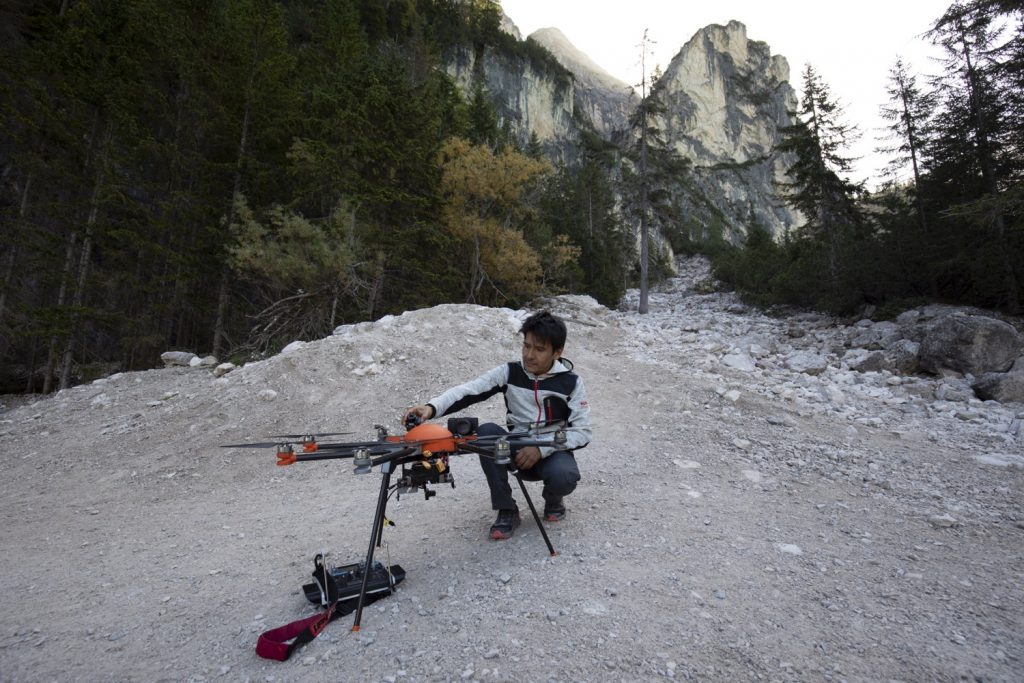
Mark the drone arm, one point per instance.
(391, 457)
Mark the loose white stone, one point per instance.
(944, 521)
(739, 361)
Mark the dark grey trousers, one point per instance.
(558, 471)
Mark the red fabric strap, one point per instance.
(273, 644)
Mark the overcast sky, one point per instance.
(851, 45)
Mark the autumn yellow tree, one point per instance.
(485, 207)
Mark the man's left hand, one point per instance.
(527, 457)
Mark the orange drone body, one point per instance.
(433, 437)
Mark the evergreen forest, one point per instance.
(947, 222)
(228, 176)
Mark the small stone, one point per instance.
(944, 521)
(223, 369)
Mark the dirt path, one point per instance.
(714, 537)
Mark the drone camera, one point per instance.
(463, 426)
(411, 420)
(419, 475)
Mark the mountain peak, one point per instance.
(579, 63)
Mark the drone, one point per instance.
(420, 460)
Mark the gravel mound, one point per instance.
(752, 508)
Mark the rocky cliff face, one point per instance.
(604, 100)
(727, 98)
(529, 98)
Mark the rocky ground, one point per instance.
(736, 521)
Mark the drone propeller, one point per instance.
(309, 435)
(263, 444)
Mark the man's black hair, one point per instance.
(546, 327)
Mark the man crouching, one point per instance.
(540, 388)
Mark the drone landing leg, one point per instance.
(375, 534)
(536, 517)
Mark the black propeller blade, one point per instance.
(315, 435)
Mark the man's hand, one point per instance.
(527, 457)
(424, 412)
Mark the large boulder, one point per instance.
(1000, 386)
(863, 360)
(875, 336)
(903, 356)
(807, 362)
(171, 358)
(969, 344)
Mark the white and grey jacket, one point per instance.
(525, 396)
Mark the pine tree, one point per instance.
(580, 204)
(909, 113)
(257, 98)
(975, 156)
(484, 211)
(826, 199)
(655, 167)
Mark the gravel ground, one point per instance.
(730, 526)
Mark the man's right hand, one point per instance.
(424, 412)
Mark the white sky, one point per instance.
(851, 45)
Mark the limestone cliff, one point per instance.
(531, 96)
(727, 98)
(606, 101)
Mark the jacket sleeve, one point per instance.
(474, 391)
(580, 432)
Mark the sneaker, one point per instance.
(554, 510)
(505, 525)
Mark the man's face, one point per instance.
(538, 356)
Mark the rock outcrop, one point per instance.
(728, 98)
(606, 101)
(969, 344)
(530, 98)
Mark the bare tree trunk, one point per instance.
(30, 382)
(51, 358)
(644, 246)
(83, 271)
(12, 255)
(222, 295)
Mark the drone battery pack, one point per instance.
(349, 580)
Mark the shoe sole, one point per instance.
(500, 536)
(554, 516)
